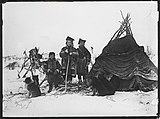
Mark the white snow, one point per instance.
(74, 104)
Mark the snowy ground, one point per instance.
(73, 104)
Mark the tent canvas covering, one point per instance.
(124, 58)
(122, 65)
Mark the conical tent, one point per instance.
(121, 62)
(124, 58)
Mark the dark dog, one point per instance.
(101, 85)
(32, 87)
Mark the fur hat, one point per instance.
(69, 38)
(81, 40)
(51, 53)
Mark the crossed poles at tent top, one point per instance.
(125, 27)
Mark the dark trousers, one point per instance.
(69, 78)
(80, 79)
(52, 80)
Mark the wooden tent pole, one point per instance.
(66, 74)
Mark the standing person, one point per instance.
(83, 61)
(69, 55)
(53, 71)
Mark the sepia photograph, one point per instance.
(80, 59)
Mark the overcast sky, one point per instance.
(47, 24)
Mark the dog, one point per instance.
(100, 85)
(32, 87)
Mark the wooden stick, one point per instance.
(66, 74)
(115, 34)
(42, 81)
(22, 67)
(26, 72)
(122, 14)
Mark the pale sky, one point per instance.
(47, 24)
